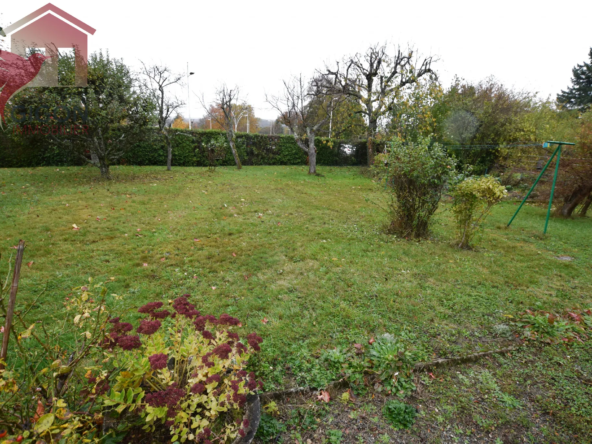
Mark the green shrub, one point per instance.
(414, 176)
(399, 415)
(473, 199)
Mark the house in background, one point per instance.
(51, 29)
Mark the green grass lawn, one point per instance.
(307, 255)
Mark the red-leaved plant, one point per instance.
(183, 371)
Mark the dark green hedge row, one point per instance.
(189, 149)
(35, 151)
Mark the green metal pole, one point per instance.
(534, 185)
(553, 188)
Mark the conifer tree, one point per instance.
(579, 94)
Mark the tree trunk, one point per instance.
(99, 157)
(576, 198)
(372, 128)
(104, 167)
(370, 152)
(312, 156)
(586, 206)
(230, 137)
(169, 150)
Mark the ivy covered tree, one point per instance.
(579, 94)
(99, 122)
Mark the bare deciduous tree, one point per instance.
(226, 100)
(157, 80)
(303, 110)
(373, 78)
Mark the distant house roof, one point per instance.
(49, 8)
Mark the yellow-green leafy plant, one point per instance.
(472, 201)
(181, 375)
(45, 392)
(87, 377)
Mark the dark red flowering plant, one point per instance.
(182, 370)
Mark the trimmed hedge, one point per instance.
(189, 149)
(33, 152)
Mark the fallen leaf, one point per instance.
(358, 346)
(162, 259)
(145, 265)
(194, 240)
(213, 288)
(234, 254)
(324, 396)
(351, 395)
(75, 227)
(265, 320)
(29, 264)
(39, 411)
(371, 341)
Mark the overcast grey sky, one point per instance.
(530, 45)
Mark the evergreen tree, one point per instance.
(579, 95)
